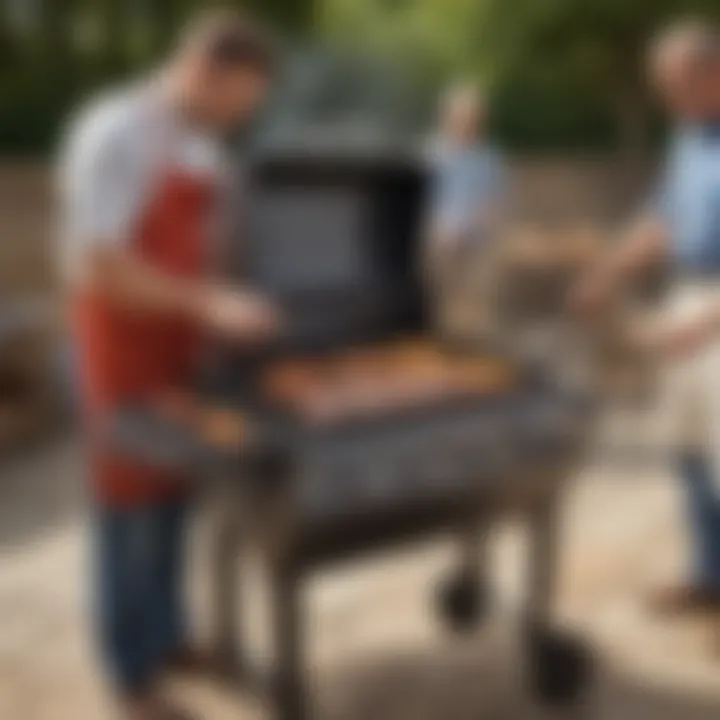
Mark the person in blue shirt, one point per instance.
(468, 173)
(683, 222)
(468, 198)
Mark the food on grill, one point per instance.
(380, 379)
(222, 428)
(217, 427)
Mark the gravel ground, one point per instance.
(376, 649)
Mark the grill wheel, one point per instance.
(463, 603)
(559, 666)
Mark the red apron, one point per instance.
(127, 357)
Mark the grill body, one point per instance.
(336, 240)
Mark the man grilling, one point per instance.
(141, 176)
(684, 221)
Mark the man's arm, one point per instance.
(128, 281)
(645, 243)
(132, 283)
(108, 176)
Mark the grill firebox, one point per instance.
(409, 438)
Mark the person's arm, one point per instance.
(645, 243)
(128, 281)
(108, 177)
(136, 285)
(677, 340)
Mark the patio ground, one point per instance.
(377, 650)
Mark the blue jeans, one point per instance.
(704, 514)
(139, 573)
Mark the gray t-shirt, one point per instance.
(111, 160)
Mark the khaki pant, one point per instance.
(691, 385)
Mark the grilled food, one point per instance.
(381, 379)
(217, 427)
(222, 428)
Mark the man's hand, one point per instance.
(686, 339)
(646, 243)
(681, 340)
(239, 315)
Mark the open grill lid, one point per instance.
(334, 237)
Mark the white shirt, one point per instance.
(111, 161)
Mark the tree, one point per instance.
(596, 44)
(115, 35)
(55, 34)
(436, 37)
(293, 16)
(555, 58)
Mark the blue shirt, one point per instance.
(689, 198)
(467, 182)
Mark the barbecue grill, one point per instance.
(362, 428)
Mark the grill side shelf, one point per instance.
(145, 435)
(491, 434)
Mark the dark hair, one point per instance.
(231, 39)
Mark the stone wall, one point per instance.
(551, 191)
(591, 190)
(25, 248)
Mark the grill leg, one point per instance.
(226, 598)
(464, 597)
(473, 552)
(542, 561)
(560, 665)
(290, 693)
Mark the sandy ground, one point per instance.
(377, 651)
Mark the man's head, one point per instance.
(222, 68)
(685, 69)
(462, 114)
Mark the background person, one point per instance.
(467, 204)
(684, 222)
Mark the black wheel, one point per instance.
(560, 666)
(463, 603)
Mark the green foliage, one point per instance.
(597, 42)
(64, 48)
(559, 68)
(434, 36)
(32, 109)
(563, 72)
(530, 117)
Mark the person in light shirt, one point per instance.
(469, 182)
(468, 203)
(141, 173)
(682, 223)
